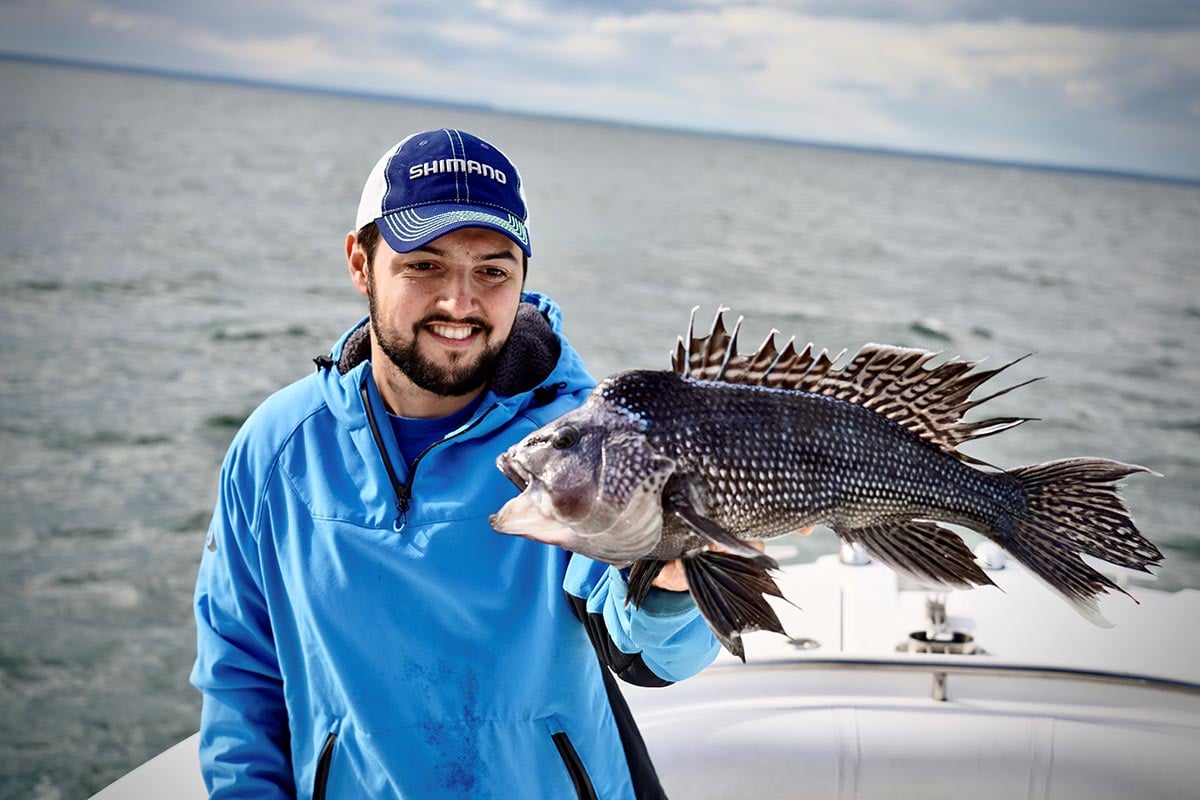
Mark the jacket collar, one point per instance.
(536, 357)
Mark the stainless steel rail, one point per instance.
(939, 669)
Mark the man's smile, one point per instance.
(455, 333)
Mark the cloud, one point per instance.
(1005, 79)
(794, 68)
(1087, 14)
(1084, 14)
(223, 19)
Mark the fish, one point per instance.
(724, 449)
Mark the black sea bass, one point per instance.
(727, 449)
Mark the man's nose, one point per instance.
(458, 296)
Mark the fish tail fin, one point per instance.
(729, 591)
(1072, 508)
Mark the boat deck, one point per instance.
(1047, 706)
(1031, 701)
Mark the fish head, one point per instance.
(590, 482)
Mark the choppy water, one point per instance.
(172, 252)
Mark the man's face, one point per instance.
(442, 313)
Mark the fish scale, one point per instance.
(782, 460)
(726, 449)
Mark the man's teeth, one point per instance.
(452, 332)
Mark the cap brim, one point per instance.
(411, 228)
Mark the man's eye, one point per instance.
(421, 266)
(493, 274)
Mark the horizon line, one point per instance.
(214, 77)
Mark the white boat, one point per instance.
(886, 691)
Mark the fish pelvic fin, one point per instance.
(1073, 507)
(929, 554)
(641, 579)
(730, 592)
(895, 382)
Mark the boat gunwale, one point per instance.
(960, 666)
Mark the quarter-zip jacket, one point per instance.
(363, 632)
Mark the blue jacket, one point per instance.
(363, 632)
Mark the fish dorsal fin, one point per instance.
(895, 382)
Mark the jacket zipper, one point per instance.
(399, 488)
(579, 776)
(321, 779)
(404, 490)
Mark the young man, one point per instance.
(362, 632)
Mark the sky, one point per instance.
(1099, 84)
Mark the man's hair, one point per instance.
(368, 240)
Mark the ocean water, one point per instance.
(172, 252)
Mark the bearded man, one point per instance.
(362, 631)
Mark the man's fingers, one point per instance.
(757, 544)
(671, 577)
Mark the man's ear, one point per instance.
(357, 264)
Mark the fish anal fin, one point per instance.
(730, 593)
(928, 553)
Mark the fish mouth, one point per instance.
(522, 516)
(514, 471)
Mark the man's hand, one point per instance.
(672, 578)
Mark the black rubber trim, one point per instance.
(646, 784)
(579, 776)
(321, 779)
(629, 668)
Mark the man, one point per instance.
(362, 632)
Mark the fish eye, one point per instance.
(564, 437)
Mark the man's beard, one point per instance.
(452, 381)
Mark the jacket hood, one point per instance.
(536, 359)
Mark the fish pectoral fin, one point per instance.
(680, 507)
(729, 591)
(926, 552)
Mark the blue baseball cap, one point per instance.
(436, 182)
